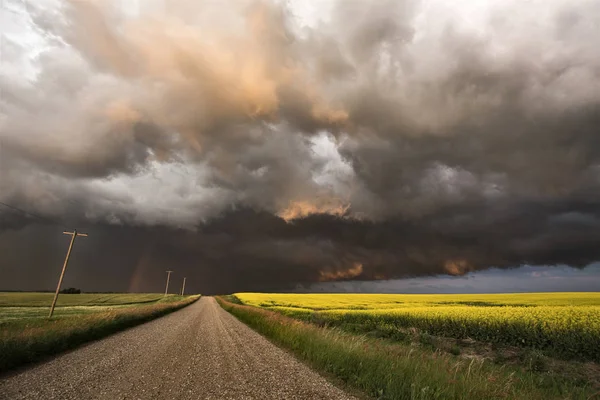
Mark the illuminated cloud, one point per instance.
(424, 138)
(352, 272)
(302, 209)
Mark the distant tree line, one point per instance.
(71, 290)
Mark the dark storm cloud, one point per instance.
(245, 250)
(411, 141)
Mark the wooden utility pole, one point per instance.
(183, 287)
(73, 234)
(168, 277)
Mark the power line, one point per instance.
(63, 224)
(45, 219)
(23, 211)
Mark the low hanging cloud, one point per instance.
(419, 139)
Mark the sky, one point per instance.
(524, 279)
(407, 145)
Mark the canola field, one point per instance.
(566, 324)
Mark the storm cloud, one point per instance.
(259, 150)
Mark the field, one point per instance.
(544, 345)
(27, 334)
(388, 301)
(565, 324)
(33, 299)
(37, 305)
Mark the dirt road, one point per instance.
(200, 352)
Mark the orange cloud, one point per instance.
(353, 272)
(457, 267)
(122, 111)
(301, 209)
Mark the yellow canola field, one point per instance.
(565, 323)
(356, 301)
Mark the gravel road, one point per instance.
(199, 352)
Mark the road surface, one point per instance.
(199, 352)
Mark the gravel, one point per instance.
(199, 352)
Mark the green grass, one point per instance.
(389, 370)
(33, 299)
(28, 335)
(37, 305)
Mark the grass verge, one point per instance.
(387, 370)
(27, 340)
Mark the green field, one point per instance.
(33, 299)
(37, 305)
(484, 346)
(27, 334)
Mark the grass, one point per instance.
(35, 299)
(563, 325)
(27, 335)
(37, 305)
(414, 364)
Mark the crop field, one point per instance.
(564, 324)
(386, 301)
(35, 299)
(37, 305)
(497, 346)
(27, 334)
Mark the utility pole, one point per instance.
(183, 287)
(168, 277)
(73, 234)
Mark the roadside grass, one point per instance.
(579, 372)
(391, 370)
(31, 336)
